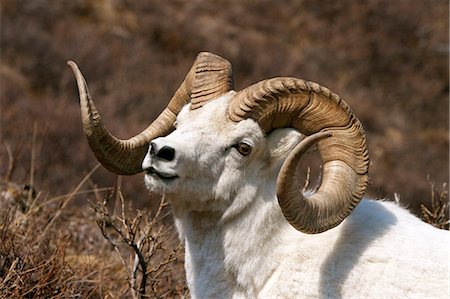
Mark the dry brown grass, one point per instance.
(50, 248)
(36, 259)
(71, 259)
(438, 214)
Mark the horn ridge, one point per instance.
(213, 78)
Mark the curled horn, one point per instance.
(208, 78)
(316, 112)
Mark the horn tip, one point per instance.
(73, 65)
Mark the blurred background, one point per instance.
(387, 59)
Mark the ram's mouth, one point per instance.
(163, 176)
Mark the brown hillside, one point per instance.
(387, 59)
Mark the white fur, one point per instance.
(238, 244)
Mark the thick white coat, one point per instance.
(239, 245)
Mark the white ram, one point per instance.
(227, 162)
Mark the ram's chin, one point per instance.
(159, 185)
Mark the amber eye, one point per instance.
(243, 148)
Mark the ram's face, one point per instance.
(207, 156)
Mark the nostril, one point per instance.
(166, 153)
(152, 148)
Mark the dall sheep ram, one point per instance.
(227, 162)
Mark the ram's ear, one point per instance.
(282, 141)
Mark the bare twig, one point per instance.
(10, 271)
(145, 238)
(11, 164)
(32, 162)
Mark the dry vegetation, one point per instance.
(387, 59)
(438, 214)
(50, 249)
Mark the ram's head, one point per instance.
(211, 141)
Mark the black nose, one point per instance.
(165, 153)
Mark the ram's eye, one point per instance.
(243, 148)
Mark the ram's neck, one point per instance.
(227, 252)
